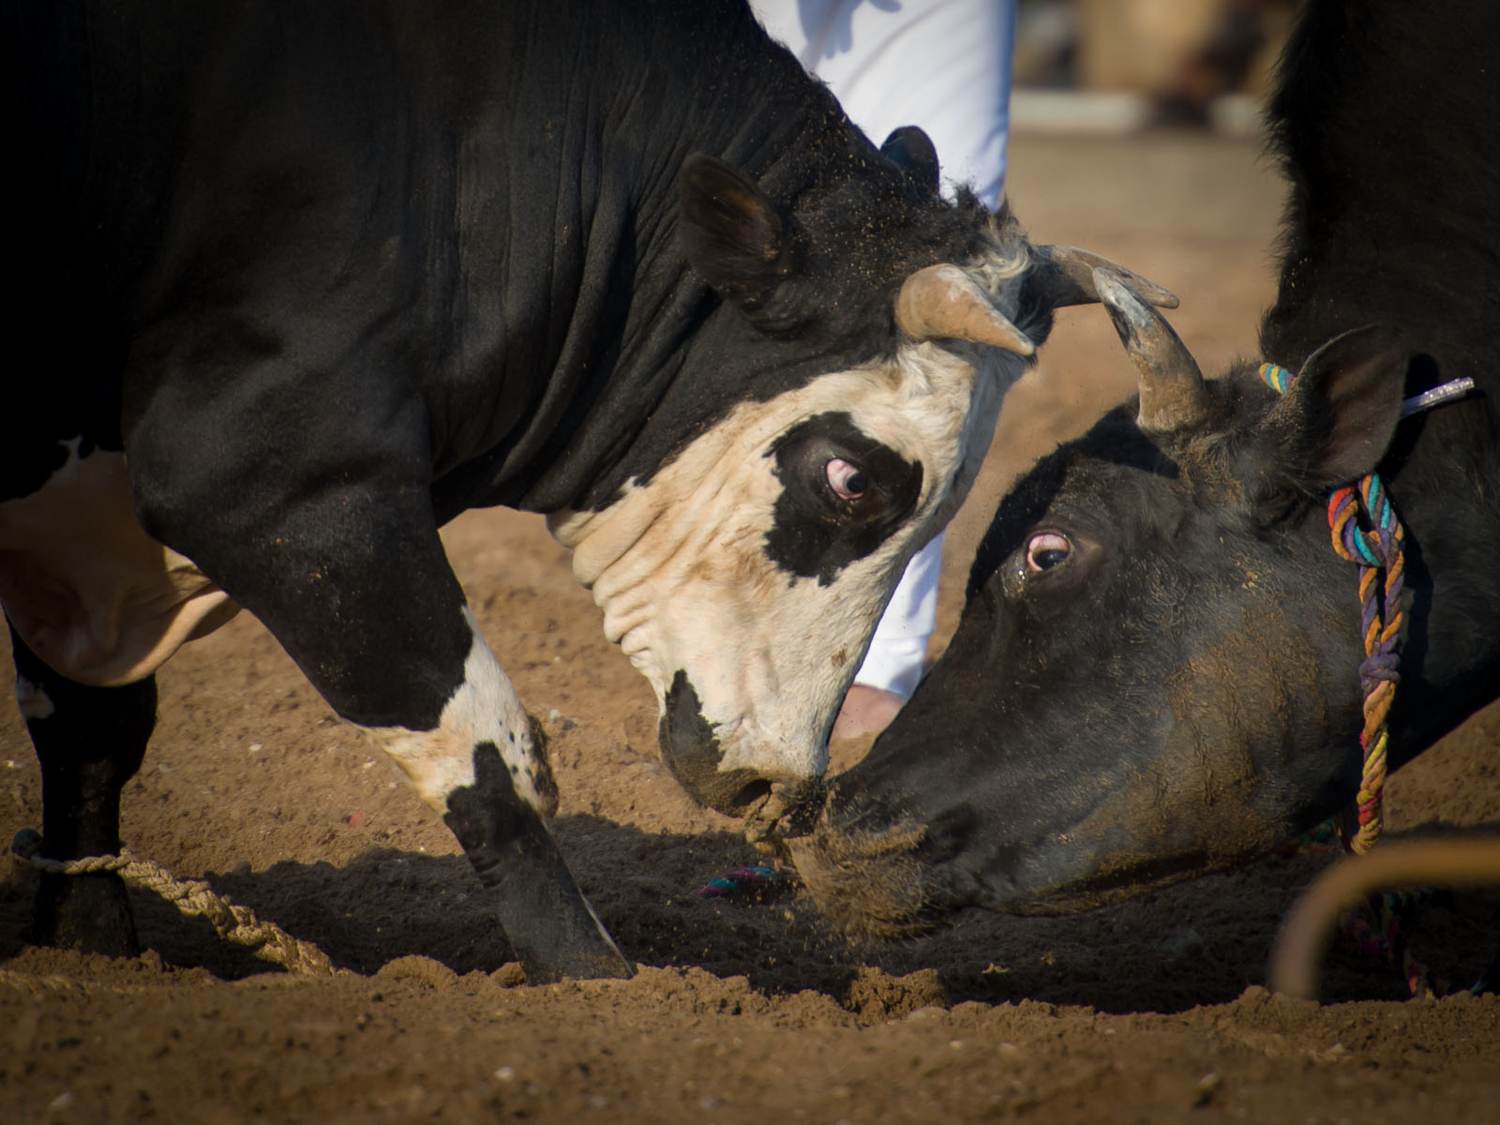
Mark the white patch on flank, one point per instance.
(679, 565)
(484, 708)
(87, 589)
(32, 700)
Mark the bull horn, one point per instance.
(1064, 275)
(1173, 394)
(942, 302)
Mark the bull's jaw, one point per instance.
(893, 866)
(895, 873)
(690, 747)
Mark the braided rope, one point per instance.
(1365, 531)
(233, 923)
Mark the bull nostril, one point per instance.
(751, 794)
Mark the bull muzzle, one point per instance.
(772, 805)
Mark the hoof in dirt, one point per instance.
(26, 843)
(89, 913)
(590, 966)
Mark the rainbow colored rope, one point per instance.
(1366, 531)
(754, 883)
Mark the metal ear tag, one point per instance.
(1449, 391)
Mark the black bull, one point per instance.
(292, 285)
(1157, 670)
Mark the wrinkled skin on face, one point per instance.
(1156, 674)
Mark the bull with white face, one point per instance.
(332, 275)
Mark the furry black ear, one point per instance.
(913, 150)
(1336, 420)
(732, 234)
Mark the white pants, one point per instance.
(943, 65)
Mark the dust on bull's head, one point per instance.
(1156, 673)
(744, 575)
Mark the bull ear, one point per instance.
(912, 150)
(732, 234)
(1337, 417)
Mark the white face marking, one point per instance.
(680, 569)
(484, 708)
(88, 590)
(32, 700)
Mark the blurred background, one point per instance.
(1116, 65)
(1197, 210)
(1135, 131)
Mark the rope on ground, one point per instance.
(233, 923)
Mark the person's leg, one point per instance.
(944, 66)
(893, 664)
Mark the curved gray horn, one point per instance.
(942, 302)
(1064, 275)
(1173, 394)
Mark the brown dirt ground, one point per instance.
(1150, 1011)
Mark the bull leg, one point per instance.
(90, 742)
(495, 802)
(330, 540)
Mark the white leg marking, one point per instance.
(484, 708)
(33, 701)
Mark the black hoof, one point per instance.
(90, 913)
(604, 963)
(546, 919)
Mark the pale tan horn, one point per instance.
(942, 302)
(1173, 394)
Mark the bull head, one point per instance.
(1157, 670)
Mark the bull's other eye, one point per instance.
(1046, 550)
(847, 481)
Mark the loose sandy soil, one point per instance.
(1152, 1011)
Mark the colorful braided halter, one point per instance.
(1366, 531)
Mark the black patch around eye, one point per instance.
(815, 534)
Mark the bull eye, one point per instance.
(1045, 551)
(847, 481)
